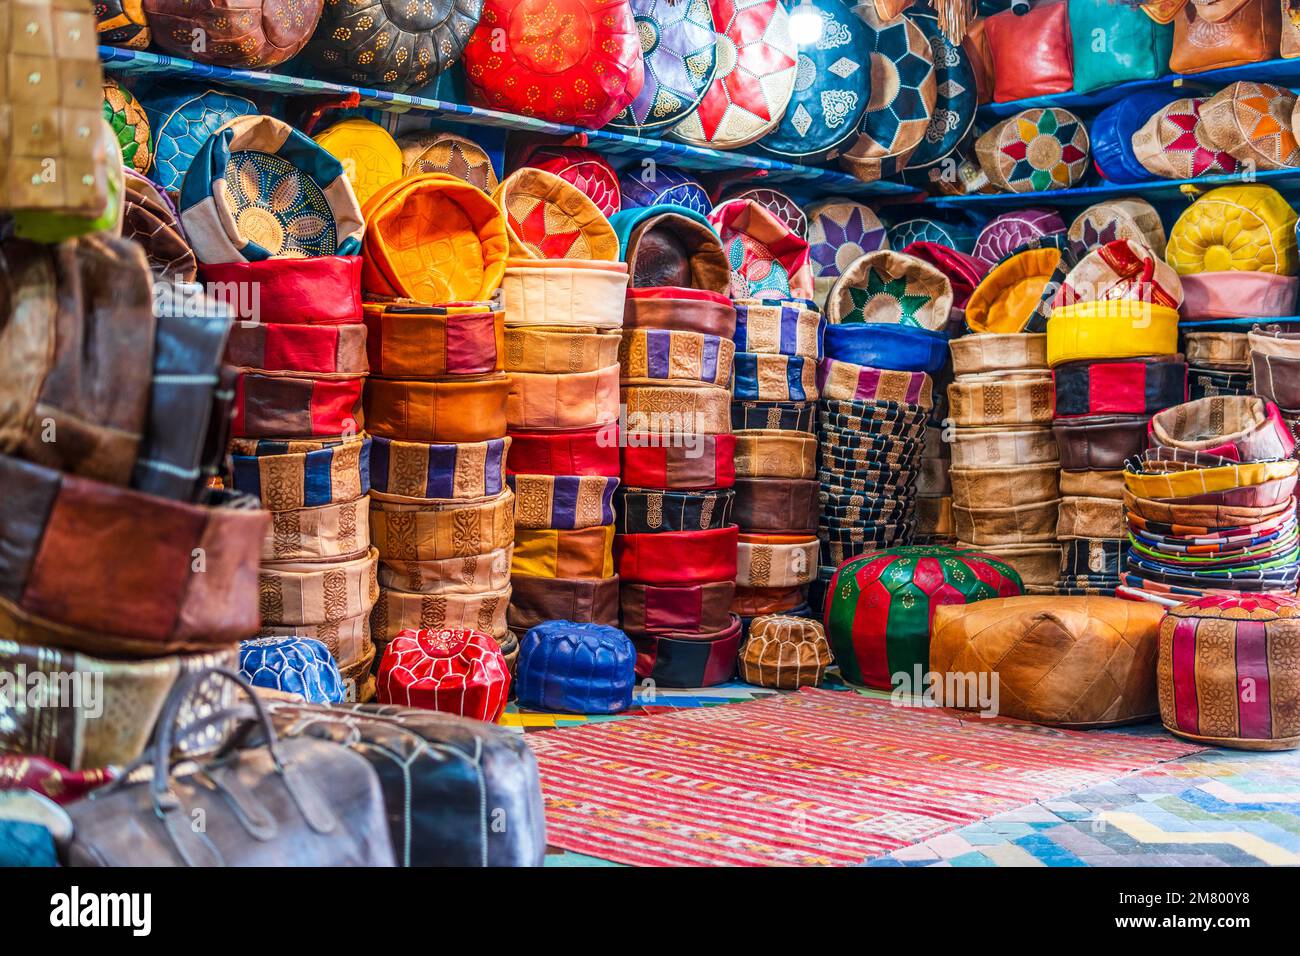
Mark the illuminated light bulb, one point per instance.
(806, 24)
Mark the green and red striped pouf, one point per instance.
(878, 605)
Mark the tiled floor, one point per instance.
(1219, 808)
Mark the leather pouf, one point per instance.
(394, 44)
(436, 151)
(370, 157)
(129, 121)
(1034, 151)
(1006, 233)
(754, 79)
(1176, 144)
(579, 668)
(454, 671)
(568, 61)
(122, 23)
(1229, 671)
(1062, 661)
(663, 186)
(955, 103)
(237, 33)
(840, 231)
(589, 171)
(292, 665)
(182, 119)
(784, 652)
(679, 45)
(879, 605)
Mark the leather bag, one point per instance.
(275, 802)
(1214, 36)
(1115, 43)
(1031, 53)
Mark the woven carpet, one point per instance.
(808, 779)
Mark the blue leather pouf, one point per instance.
(295, 665)
(579, 668)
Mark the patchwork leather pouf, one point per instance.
(1249, 227)
(879, 606)
(1034, 151)
(956, 95)
(1131, 218)
(569, 61)
(784, 652)
(182, 119)
(1229, 671)
(579, 668)
(129, 121)
(1006, 233)
(369, 155)
(236, 33)
(840, 231)
(392, 44)
(754, 80)
(454, 671)
(122, 23)
(1176, 144)
(1252, 121)
(586, 169)
(437, 151)
(832, 89)
(680, 47)
(1058, 660)
(292, 665)
(663, 185)
(1112, 136)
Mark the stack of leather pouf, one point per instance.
(121, 571)
(1275, 368)
(1004, 461)
(676, 546)
(1112, 368)
(778, 345)
(563, 295)
(441, 515)
(1235, 251)
(887, 318)
(297, 440)
(1211, 506)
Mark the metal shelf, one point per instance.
(1278, 72)
(691, 158)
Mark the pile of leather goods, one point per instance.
(563, 293)
(1004, 463)
(577, 668)
(115, 416)
(676, 547)
(879, 607)
(1210, 505)
(778, 345)
(1111, 372)
(1275, 370)
(1212, 647)
(1066, 661)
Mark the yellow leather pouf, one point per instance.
(1243, 228)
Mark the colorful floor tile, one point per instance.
(1218, 808)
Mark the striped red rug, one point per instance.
(808, 779)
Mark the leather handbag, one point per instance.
(272, 802)
(444, 780)
(77, 335)
(1115, 43)
(1211, 36)
(1031, 53)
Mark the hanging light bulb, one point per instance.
(806, 24)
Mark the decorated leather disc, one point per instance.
(656, 185)
(549, 218)
(394, 44)
(779, 205)
(840, 231)
(831, 87)
(1035, 150)
(370, 157)
(587, 170)
(436, 151)
(679, 45)
(955, 95)
(127, 117)
(754, 80)
(1175, 143)
(903, 96)
(182, 120)
(570, 61)
(1006, 233)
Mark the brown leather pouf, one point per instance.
(1064, 661)
(1229, 671)
(784, 652)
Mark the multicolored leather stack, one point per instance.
(1004, 459)
(441, 513)
(298, 344)
(563, 293)
(777, 502)
(1112, 369)
(1210, 506)
(886, 336)
(677, 543)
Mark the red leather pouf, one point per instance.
(455, 671)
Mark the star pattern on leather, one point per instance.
(756, 58)
(533, 230)
(1203, 158)
(1024, 168)
(909, 304)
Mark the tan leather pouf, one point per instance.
(784, 652)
